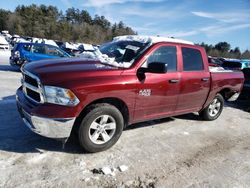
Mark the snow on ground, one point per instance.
(4, 56)
(182, 151)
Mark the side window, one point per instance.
(53, 51)
(192, 59)
(27, 47)
(38, 49)
(166, 55)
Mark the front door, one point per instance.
(38, 52)
(158, 92)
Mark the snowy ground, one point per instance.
(4, 56)
(4, 61)
(181, 151)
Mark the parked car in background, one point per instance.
(214, 62)
(245, 63)
(88, 51)
(79, 49)
(231, 64)
(245, 94)
(27, 52)
(70, 48)
(6, 35)
(4, 45)
(4, 50)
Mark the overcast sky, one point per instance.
(210, 21)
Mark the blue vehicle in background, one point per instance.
(245, 63)
(235, 64)
(28, 52)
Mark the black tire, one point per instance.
(93, 112)
(206, 112)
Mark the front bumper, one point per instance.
(15, 61)
(58, 128)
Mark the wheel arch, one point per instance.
(118, 103)
(226, 93)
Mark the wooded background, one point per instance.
(76, 25)
(48, 22)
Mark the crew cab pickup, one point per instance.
(135, 79)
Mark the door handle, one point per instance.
(173, 81)
(204, 79)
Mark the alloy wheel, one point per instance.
(214, 107)
(102, 129)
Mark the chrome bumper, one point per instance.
(48, 127)
(234, 97)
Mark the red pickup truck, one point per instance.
(134, 79)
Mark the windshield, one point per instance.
(122, 53)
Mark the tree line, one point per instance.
(72, 25)
(223, 49)
(79, 26)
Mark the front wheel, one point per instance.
(214, 109)
(100, 128)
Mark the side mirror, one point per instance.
(156, 67)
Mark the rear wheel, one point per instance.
(214, 109)
(100, 128)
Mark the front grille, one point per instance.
(30, 81)
(34, 95)
(32, 87)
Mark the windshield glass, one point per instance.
(122, 53)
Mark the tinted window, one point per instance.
(53, 51)
(40, 49)
(27, 47)
(192, 60)
(214, 61)
(231, 64)
(166, 55)
(16, 47)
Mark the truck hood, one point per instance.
(66, 65)
(53, 70)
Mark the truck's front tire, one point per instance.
(100, 128)
(214, 109)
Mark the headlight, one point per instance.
(16, 54)
(61, 96)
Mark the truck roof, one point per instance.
(152, 39)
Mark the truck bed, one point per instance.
(226, 80)
(219, 69)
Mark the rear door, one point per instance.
(195, 80)
(157, 93)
